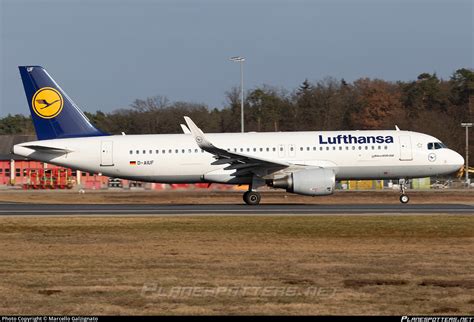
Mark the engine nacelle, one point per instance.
(310, 182)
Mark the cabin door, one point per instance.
(106, 154)
(406, 153)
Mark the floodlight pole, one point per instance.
(466, 169)
(241, 60)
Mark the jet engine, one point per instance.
(310, 182)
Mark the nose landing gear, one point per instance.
(403, 196)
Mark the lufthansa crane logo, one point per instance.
(47, 102)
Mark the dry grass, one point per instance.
(358, 265)
(233, 197)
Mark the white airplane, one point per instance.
(306, 163)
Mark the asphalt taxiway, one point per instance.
(231, 209)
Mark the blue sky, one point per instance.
(105, 54)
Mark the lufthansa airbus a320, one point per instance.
(306, 163)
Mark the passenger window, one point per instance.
(274, 149)
(261, 149)
(353, 147)
(320, 148)
(254, 149)
(138, 152)
(131, 151)
(327, 148)
(366, 147)
(301, 149)
(268, 149)
(241, 150)
(170, 151)
(308, 148)
(340, 148)
(360, 148)
(157, 151)
(151, 151)
(385, 147)
(144, 151)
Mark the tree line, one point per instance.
(428, 104)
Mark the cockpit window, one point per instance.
(436, 146)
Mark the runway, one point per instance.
(230, 209)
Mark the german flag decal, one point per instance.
(133, 162)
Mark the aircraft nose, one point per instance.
(456, 159)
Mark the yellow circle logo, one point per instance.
(47, 102)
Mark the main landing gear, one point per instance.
(403, 188)
(252, 198)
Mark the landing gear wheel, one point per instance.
(404, 198)
(252, 198)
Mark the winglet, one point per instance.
(185, 129)
(198, 135)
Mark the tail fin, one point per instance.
(54, 114)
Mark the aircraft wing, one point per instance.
(241, 163)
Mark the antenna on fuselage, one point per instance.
(396, 128)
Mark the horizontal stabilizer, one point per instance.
(42, 148)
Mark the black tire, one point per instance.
(404, 198)
(252, 198)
